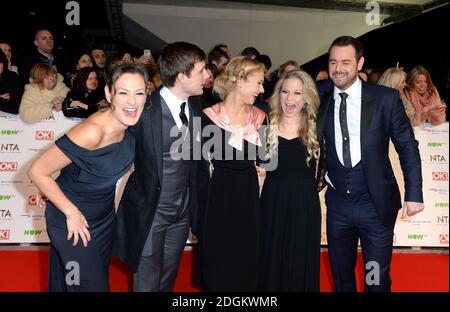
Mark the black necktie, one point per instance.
(183, 116)
(344, 131)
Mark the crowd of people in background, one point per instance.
(419, 94)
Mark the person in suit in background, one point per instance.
(44, 42)
(165, 194)
(355, 123)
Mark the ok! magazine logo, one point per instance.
(45, 135)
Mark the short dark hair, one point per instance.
(216, 54)
(265, 59)
(220, 46)
(176, 58)
(343, 41)
(250, 52)
(214, 70)
(96, 47)
(117, 71)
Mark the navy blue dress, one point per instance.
(90, 183)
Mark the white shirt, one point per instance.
(174, 104)
(353, 122)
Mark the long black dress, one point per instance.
(230, 244)
(90, 183)
(290, 223)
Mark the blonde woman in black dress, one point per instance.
(290, 207)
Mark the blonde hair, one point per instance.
(413, 73)
(238, 68)
(392, 77)
(39, 71)
(283, 66)
(308, 116)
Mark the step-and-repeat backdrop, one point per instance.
(22, 220)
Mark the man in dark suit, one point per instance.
(354, 126)
(167, 191)
(43, 40)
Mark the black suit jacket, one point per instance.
(141, 195)
(382, 118)
(27, 62)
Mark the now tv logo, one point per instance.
(6, 197)
(10, 132)
(8, 166)
(440, 176)
(45, 135)
(33, 232)
(416, 236)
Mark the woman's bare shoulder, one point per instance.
(88, 134)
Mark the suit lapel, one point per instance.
(156, 129)
(367, 108)
(195, 127)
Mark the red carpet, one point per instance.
(26, 270)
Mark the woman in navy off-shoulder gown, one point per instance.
(91, 157)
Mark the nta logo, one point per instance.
(4, 213)
(440, 176)
(45, 135)
(442, 219)
(438, 158)
(9, 147)
(4, 234)
(8, 166)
